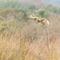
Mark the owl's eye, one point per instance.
(38, 21)
(42, 20)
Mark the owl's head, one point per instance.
(43, 21)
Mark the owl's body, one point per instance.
(43, 21)
(40, 20)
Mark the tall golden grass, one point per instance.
(28, 43)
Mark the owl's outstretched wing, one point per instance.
(33, 17)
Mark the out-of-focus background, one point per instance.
(22, 38)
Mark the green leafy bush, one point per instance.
(42, 13)
(10, 4)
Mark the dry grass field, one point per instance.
(24, 38)
(31, 42)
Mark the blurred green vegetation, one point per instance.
(42, 13)
(12, 13)
(52, 8)
(13, 16)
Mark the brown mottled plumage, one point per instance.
(40, 20)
